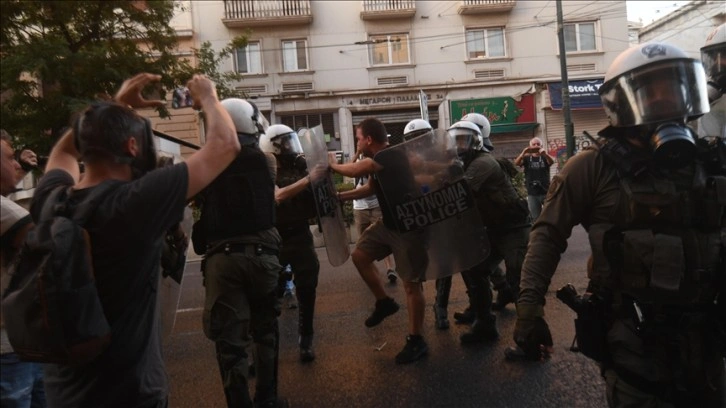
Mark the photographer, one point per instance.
(536, 163)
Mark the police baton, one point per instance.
(175, 140)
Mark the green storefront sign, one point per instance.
(505, 114)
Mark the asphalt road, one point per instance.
(355, 365)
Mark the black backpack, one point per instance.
(51, 309)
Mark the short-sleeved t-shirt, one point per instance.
(536, 174)
(125, 232)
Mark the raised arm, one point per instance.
(222, 145)
(355, 169)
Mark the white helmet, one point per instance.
(466, 136)
(417, 128)
(247, 119)
(484, 127)
(653, 83)
(280, 139)
(713, 56)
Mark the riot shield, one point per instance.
(330, 212)
(424, 188)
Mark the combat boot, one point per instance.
(482, 331)
(306, 349)
(442, 320)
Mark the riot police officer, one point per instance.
(649, 199)
(295, 209)
(241, 268)
(506, 217)
(713, 56)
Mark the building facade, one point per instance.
(337, 62)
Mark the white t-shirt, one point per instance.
(366, 203)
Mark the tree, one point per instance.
(57, 56)
(208, 60)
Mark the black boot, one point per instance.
(442, 320)
(306, 349)
(482, 331)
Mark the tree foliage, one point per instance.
(57, 56)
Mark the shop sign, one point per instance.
(500, 111)
(403, 99)
(583, 94)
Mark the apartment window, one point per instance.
(485, 43)
(389, 49)
(294, 55)
(580, 37)
(248, 59)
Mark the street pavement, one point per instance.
(355, 365)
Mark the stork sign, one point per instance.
(425, 191)
(330, 212)
(423, 101)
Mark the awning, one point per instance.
(513, 127)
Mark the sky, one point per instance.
(651, 10)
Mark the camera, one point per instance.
(581, 304)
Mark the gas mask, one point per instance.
(673, 145)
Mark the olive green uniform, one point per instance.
(657, 242)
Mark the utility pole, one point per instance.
(569, 127)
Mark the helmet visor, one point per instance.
(714, 62)
(463, 139)
(287, 143)
(670, 90)
(418, 133)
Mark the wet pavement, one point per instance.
(355, 365)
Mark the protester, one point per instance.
(126, 230)
(650, 200)
(241, 266)
(366, 211)
(21, 383)
(381, 239)
(536, 163)
(295, 208)
(506, 217)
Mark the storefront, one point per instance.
(587, 114)
(513, 120)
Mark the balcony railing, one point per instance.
(485, 6)
(247, 13)
(387, 9)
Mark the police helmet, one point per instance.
(484, 127)
(713, 56)
(466, 136)
(653, 83)
(248, 120)
(417, 128)
(280, 139)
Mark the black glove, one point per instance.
(533, 338)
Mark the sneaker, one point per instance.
(481, 332)
(392, 275)
(414, 349)
(465, 317)
(504, 297)
(290, 299)
(384, 308)
(442, 320)
(307, 354)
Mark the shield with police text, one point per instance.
(330, 212)
(424, 190)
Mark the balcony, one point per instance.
(387, 9)
(260, 13)
(485, 6)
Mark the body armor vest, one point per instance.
(666, 241)
(300, 208)
(241, 200)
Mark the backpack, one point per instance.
(51, 309)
